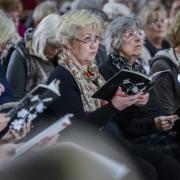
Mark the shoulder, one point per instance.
(162, 60)
(107, 69)
(61, 74)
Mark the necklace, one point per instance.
(178, 60)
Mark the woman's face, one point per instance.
(157, 26)
(132, 43)
(84, 45)
(52, 49)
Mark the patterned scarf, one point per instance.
(121, 63)
(89, 80)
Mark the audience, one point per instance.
(89, 44)
(80, 78)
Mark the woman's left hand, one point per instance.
(142, 100)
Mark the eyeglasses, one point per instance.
(89, 40)
(133, 34)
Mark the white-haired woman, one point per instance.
(33, 59)
(80, 78)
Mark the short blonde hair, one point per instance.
(174, 32)
(44, 9)
(7, 29)
(74, 20)
(46, 30)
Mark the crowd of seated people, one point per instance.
(85, 47)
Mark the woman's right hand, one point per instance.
(121, 100)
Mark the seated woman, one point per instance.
(33, 59)
(141, 124)
(8, 33)
(80, 78)
(154, 19)
(167, 90)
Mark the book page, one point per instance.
(52, 130)
(156, 74)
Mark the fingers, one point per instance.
(165, 122)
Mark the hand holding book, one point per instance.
(122, 100)
(131, 83)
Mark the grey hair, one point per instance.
(114, 10)
(43, 9)
(115, 30)
(46, 30)
(84, 4)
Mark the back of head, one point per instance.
(84, 4)
(43, 9)
(113, 10)
(70, 161)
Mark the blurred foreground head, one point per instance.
(69, 161)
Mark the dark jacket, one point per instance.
(7, 95)
(25, 71)
(167, 89)
(153, 50)
(134, 121)
(70, 100)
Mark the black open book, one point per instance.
(32, 105)
(131, 83)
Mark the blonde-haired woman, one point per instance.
(8, 35)
(33, 59)
(155, 22)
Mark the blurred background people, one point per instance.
(14, 9)
(154, 19)
(40, 11)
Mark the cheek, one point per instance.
(127, 49)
